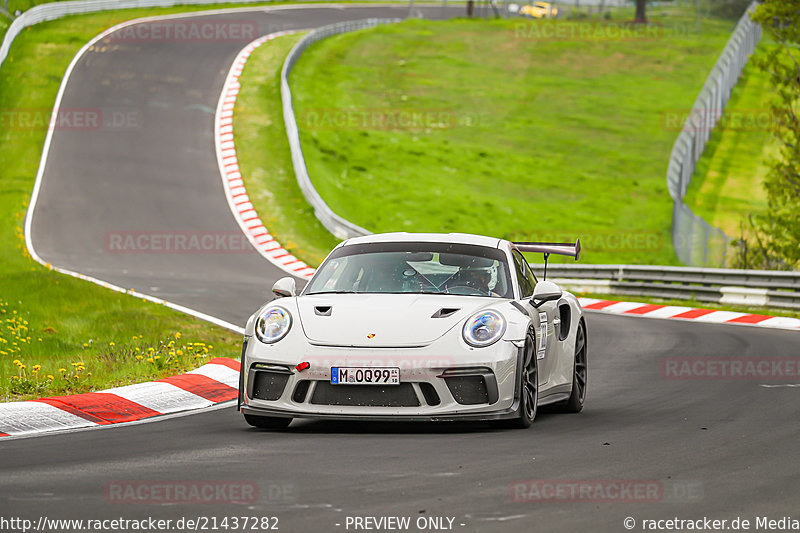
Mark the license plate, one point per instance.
(361, 375)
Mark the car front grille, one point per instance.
(401, 395)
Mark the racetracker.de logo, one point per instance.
(194, 31)
(69, 119)
(177, 242)
(386, 119)
(731, 368)
(171, 492)
(587, 490)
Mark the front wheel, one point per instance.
(528, 388)
(267, 422)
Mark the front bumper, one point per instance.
(474, 384)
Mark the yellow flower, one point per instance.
(111, 344)
(62, 369)
(85, 344)
(150, 360)
(14, 377)
(157, 357)
(179, 352)
(178, 335)
(36, 368)
(23, 366)
(17, 362)
(50, 377)
(139, 357)
(88, 375)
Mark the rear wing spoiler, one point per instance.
(547, 248)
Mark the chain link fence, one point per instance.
(697, 242)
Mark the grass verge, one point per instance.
(50, 322)
(492, 127)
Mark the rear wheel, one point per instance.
(528, 388)
(267, 422)
(580, 375)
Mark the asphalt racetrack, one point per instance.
(697, 448)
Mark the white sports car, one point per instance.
(410, 326)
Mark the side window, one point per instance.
(525, 285)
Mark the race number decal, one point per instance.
(542, 348)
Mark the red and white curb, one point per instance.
(239, 201)
(213, 383)
(688, 313)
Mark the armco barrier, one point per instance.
(341, 228)
(764, 288)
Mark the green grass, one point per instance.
(265, 160)
(57, 321)
(727, 184)
(527, 138)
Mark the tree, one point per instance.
(776, 233)
(641, 8)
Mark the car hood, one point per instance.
(384, 320)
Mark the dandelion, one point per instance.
(157, 357)
(62, 370)
(179, 352)
(111, 344)
(178, 335)
(85, 344)
(50, 377)
(139, 357)
(150, 360)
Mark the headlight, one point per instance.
(273, 325)
(484, 329)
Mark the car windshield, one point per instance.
(417, 268)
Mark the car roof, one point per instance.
(456, 238)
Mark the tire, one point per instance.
(580, 373)
(528, 387)
(267, 422)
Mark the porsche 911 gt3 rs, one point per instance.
(403, 326)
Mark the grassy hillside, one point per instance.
(527, 130)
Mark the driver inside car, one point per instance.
(478, 279)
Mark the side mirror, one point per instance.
(545, 291)
(286, 287)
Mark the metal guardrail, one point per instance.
(340, 227)
(765, 288)
(696, 242)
